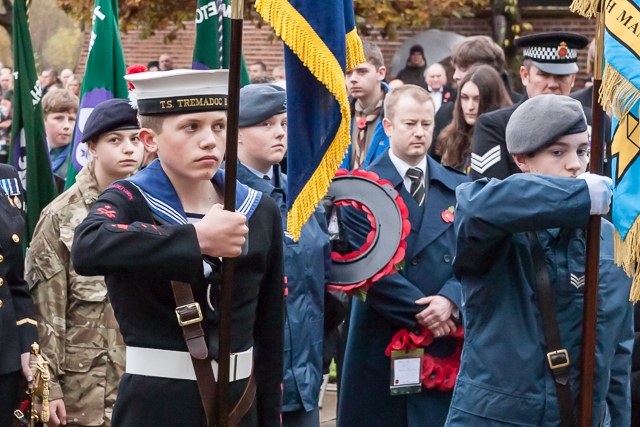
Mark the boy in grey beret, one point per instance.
(507, 232)
(262, 144)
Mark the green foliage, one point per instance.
(387, 15)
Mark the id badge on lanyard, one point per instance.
(406, 371)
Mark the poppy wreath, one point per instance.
(395, 263)
(437, 373)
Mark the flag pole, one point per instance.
(231, 167)
(589, 316)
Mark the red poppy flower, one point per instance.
(447, 216)
(362, 122)
(447, 95)
(436, 377)
(427, 367)
(451, 372)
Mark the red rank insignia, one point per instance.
(447, 215)
(562, 50)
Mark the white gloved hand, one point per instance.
(600, 191)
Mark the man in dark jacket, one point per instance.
(413, 72)
(17, 315)
(423, 295)
(262, 143)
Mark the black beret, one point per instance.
(108, 116)
(541, 120)
(553, 53)
(258, 102)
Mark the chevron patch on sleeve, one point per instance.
(577, 281)
(481, 163)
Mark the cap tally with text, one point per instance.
(553, 53)
(109, 116)
(539, 121)
(180, 91)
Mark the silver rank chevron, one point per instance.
(577, 281)
(481, 163)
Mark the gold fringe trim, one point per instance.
(586, 8)
(627, 255)
(617, 90)
(355, 55)
(301, 38)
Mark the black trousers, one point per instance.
(8, 397)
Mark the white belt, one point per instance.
(154, 362)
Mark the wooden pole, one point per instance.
(589, 316)
(231, 168)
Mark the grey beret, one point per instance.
(258, 102)
(108, 116)
(542, 119)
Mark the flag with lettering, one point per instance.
(620, 91)
(321, 46)
(29, 153)
(213, 37)
(103, 77)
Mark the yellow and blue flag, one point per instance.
(620, 91)
(321, 46)
(621, 87)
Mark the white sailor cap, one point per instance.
(553, 53)
(179, 91)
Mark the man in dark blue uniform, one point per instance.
(398, 301)
(17, 324)
(549, 67)
(165, 224)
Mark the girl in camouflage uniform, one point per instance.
(78, 332)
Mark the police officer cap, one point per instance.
(111, 115)
(553, 53)
(541, 120)
(258, 102)
(179, 91)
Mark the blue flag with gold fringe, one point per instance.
(620, 91)
(321, 46)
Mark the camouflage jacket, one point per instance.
(78, 332)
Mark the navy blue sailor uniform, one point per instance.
(390, 306)
(17, 325)
(137, 236)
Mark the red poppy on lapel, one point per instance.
(447, 215)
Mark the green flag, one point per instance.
(29, 154)
(103, 77)
(213, 36)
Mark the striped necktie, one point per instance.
(417, 185)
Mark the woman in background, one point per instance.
(479, 92)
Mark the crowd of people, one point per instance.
(480, 325)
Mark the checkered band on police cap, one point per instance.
(551, 54)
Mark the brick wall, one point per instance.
(256, 45)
